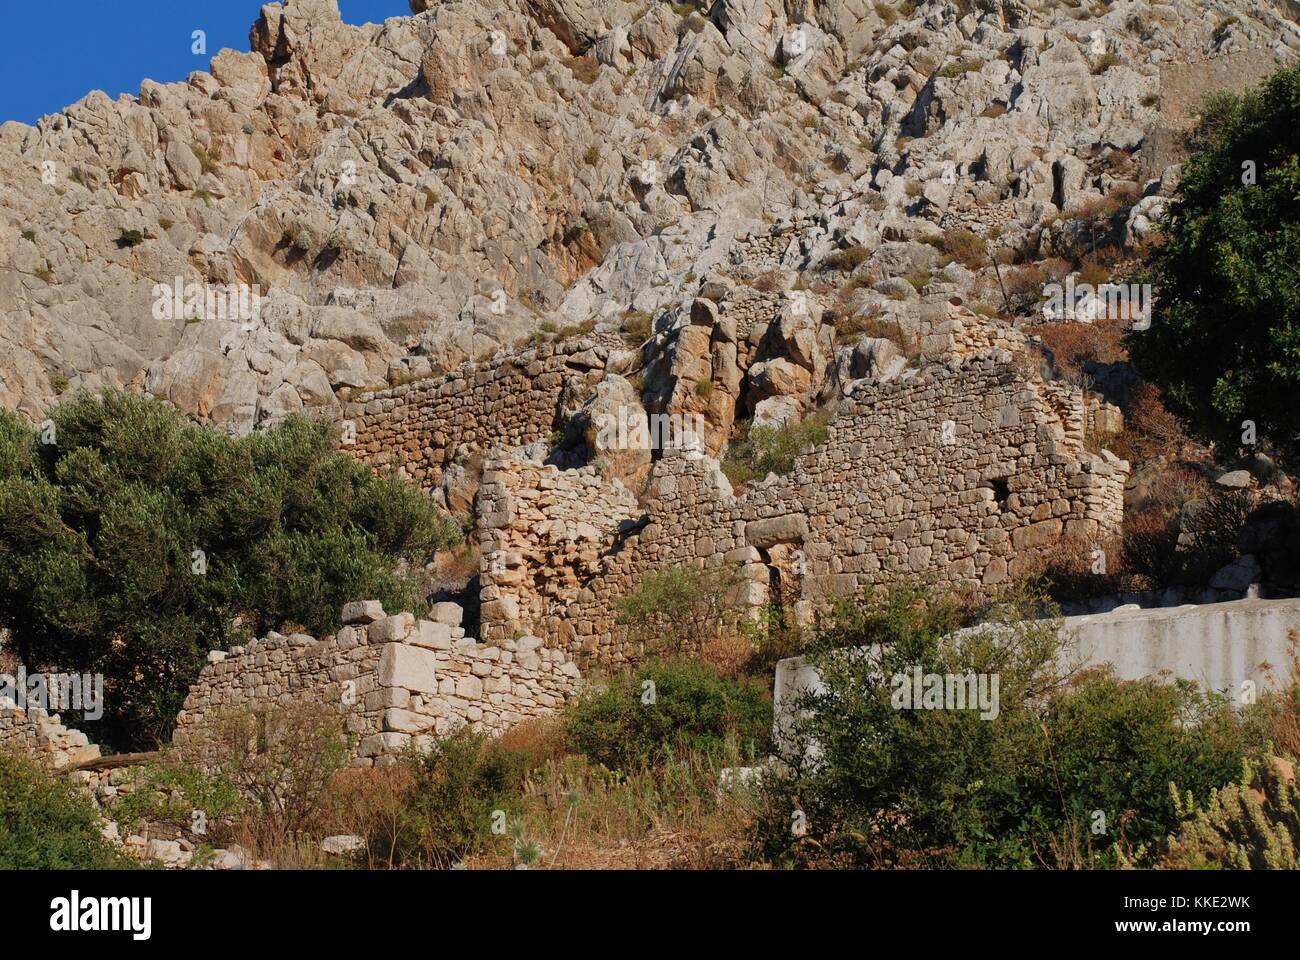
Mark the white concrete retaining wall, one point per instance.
(1218, 645)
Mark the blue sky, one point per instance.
(52, 55)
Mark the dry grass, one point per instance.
(1024, 286)
(728, 654)
(456, 566)
(1286, 721)
(586, 69)
(586, 817)
(771, 281)
(1077, 567)
(1073, 344)
(847, 259)
(1150, 430)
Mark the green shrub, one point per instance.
(679, 608)
(636, 324)
(847, 259)
(99, 532)
(958, 67)
(667, 709)
(757, 451)
(297, 239)
(169, 790)
(1224, 337)
(267, 767)
(1068, 773)
(47, 824)
(967, 248)
(1105, 62)
(207, 161)
(130, 238)
(455, 788)
(849, 328)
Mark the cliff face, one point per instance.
(344, 207)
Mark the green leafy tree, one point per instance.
(1224, 340)
(132, 542)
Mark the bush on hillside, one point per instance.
(759, 450)
(259, 775)
(451, 799)
(663, 709)
(47, 824)
(1070, 772)
(132, 542)
(677, 609)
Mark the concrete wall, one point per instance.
(1218, 645)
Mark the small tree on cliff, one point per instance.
(132, 542)
(1224, 341)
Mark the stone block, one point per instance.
(381, 743)
(362, 611)
(469, 687)
(449, 613)
(404, 721)
(403, 665)
(397, 627)
(435, 636)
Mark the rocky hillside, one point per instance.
(436, 189)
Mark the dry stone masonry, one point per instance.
(426, 428)
(966, 472)
(393, 679)
(41, 736)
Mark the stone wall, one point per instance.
(966, 471)
(42, 737)
(544, 534)
(420, 428)
(392, 678)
